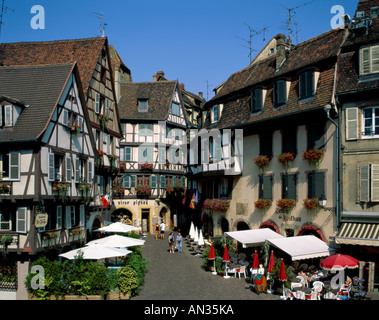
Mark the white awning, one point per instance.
(253, 237)
(302, 247)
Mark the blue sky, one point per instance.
(198, 42)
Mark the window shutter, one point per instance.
(128, 154)
(302, 86)
(267, 187)
(310, 75)
(364, 183)
(1, 116)
(97, 103)
(291, 186)
(319, 184)
(66, 117)
(68, 217)
(8, 116)
(82, 215)
(77, 170)
(107, 106)
(21, 220)
(365, 61)
(14, 166)
(375, 182)
(59, 217)
(375, 59)
(163, 182)
(68, 169)
(51, 167)
(351, 123)
(90, 171)
(126, 182)
(153, 182)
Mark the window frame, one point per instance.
(177, 108)
(373, 134)
(304, 84)
(368, 63)
(253, 103)
(279, 103)
(143, 105)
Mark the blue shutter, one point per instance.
(153, 182)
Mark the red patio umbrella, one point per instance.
(282, 276)
(271, 262)
(212, 256)
(339, 262)
(255, 260)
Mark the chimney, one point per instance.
(160, 74)
(201, 95)
(280, 49)
(154, 77)
(181, 86)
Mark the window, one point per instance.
(265, 187)
(21, 219)
(265, 144)
(128, 181)
(289, 186)
(82, 215)
(360, 14)
(306, 84)
(162, 182)
(68, 169)
(10, 166)
(70, 217)
(214, 114)
(77, 170)
(90, 171)
(6, 116)
(66, 118)
(128, 154)
(369, 183)
(256, 100)
(169, 132)
(370, 123)
(289, 139)
(280, 93)
(175, 109)
(316, 184)
(97, 103)
(142, 105)
(316, 135)
(123, 128)
(107, 107)
(374, 12)
(145, 129)
(369, 60)
(145, 154)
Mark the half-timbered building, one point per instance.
(47, 161)
(94, 63)
(152, 155)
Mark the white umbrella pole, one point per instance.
(214, 267)
(283, 296)
(226, 276)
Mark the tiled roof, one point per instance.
(85, 51)
(158, 93)
(319, 52)
(39, 88)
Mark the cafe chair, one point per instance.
(288, 294)
(241, 270)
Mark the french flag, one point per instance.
(105, 201)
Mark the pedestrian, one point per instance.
(171, 241)
(157, 229)
(179, 239)
(163, 227)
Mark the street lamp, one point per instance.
(322, 203)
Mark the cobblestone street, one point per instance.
(180, 276)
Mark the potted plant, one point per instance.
(62, 188)
(311, 204)
(143, 191)
(128, 282)
(217, 204)
(122, 165)
(4, 188)
(103, 119)
(76, 129)
(262, 162)
(146, 166)
(286, 159)
(5, 241)
(314, 156)
(286, 205)
(263, 204)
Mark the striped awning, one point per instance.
(366, 234)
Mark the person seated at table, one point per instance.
(304, 275)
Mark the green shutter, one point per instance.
(291, 186)
(126, 182)
(153, 182)
(319, 182)
(14, 166)
(163, 182)
(364, 183)
(267, 187)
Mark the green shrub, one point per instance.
(139, 265)
(128, 280)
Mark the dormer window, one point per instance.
(175, 109)
(142, 105)
(216, 113)
(374, 12)
(9, 114)
(360, 14)
(369, 60)
(280, 93)
(307, 84)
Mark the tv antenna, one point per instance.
(250, 41)
(291, 15)
(102, 25)
(4, 9)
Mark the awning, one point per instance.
(302, 247)
(253, 237)
(366, 234)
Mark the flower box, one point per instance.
(262, 162)
(146, 166)
(311, 204)
(84, 187)
(122, 165)
(4, 188)
(263, 204)
(314, 156)
(76, 129)
(143, 191)
(217, 204)
(286, 159)
(286, 205)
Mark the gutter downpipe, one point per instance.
(327, 109)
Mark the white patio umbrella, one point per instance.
(96, 252)
(118, 227)
(196, 236)
(201, 238)
(117, 241)
(192, 231)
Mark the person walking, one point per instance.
(171, 241)
(163, 227)
(179, 239)
(157, 229)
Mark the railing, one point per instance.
(6, 225)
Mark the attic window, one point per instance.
(280, 93)
(6, 116)
(374, 12)
(360, 14)
(142, 105)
